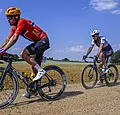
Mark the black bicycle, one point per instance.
(89, 75)
(49, 87)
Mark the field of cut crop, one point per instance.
(72, 70)
(101, 100)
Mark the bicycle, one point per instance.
(89, 75)
(49, 87)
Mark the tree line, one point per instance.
(115, 58)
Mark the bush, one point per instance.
(115, 58)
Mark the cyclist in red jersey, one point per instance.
(29, 30)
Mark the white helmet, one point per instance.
(94, 32)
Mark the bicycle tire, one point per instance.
(42, 92)
(89, 76)
(7, 88)
(109, 75)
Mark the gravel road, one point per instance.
(101, 100)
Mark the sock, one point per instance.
(38, 67)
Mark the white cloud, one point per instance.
(1, 10)
(75, 49)
(115, 12)
(69, 41)
(104, 4)
(72, 49)
(83, 8)
(60, 51)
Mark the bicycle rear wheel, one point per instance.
(111, 76)
(89, 77)
(8, 89)
(56, 83)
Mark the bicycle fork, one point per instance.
(3, 76)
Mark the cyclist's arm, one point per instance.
(14, 38)
(12, 41)
(100, 49)
(4, 43)
(12, 31)
(89, 50)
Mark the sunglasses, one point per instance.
(9, 17)
(94, 35)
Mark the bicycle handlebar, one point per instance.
(7, 57)
(98, 61)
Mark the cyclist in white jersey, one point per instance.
(104, 48)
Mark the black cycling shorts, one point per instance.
(38, 48)
(108, 52)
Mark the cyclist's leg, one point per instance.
(106, 55)
(102, 59)
(34, 48)
(38, 59)
(109, 53)
(41, 47)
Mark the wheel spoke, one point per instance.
(56, 78)
(111, 75)
(89, 77)
(8, 90)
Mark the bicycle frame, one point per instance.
(95, 66)
(9, 67)
(94, 63)
(32, 87)
(97, 61)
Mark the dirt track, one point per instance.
(101, 100)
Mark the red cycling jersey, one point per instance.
(28, 30)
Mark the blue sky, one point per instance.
(68, 24)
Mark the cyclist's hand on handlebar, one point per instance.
(84, 57)
(2, 51)
(95, 57)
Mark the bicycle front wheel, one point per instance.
(55, 81)
(8, 89)
(89, 77)
(112, 75)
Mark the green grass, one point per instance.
(50, 62)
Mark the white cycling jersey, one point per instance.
(106, 45)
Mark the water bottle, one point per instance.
(103, 69)
(27, 76)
